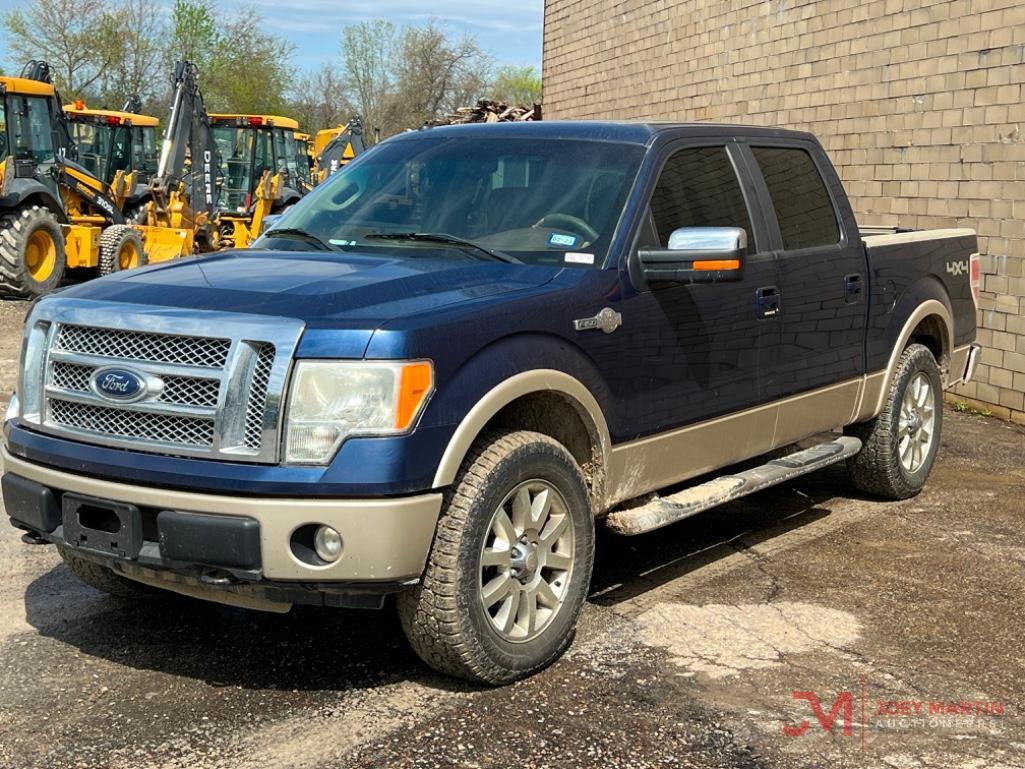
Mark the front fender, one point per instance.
(508, 369)
(32, 192)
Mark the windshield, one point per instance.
(296, 158)
(144, 149)
(32, 137)
(93, 143)
(540, 201)
(245, 154)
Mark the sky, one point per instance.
(509, 30)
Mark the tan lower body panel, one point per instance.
(652, 463)
(384, 540)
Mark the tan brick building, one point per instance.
(920, 104)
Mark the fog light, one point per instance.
(327, 543)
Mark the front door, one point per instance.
(688, 354)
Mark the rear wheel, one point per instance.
(32, 255)
(510, 564)
(900, 444)
(121, 249)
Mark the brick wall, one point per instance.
(920, 104)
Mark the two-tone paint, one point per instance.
(691, 379)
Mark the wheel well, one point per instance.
(932, 333)
(38, 199)
(562, 418)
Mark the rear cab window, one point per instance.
(804, 209)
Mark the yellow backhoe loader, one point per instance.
(334, 147)
(219, 175)
(54, 214)
(263, 171)
(119, 147)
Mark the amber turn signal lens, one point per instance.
(414, 386)
(709, 265)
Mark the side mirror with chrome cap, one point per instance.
(697, 255)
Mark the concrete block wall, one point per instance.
(920, 104)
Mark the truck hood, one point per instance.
(348, 290)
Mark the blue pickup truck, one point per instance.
(434, 375)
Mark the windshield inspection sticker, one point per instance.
(560, 240)
(574, 257)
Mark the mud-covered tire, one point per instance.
(121, 248)
(32, 253)
(104, 579)
(878, 468)
(444, 617)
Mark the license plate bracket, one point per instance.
(102, 525)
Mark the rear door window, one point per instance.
(698, 188)
(803, 207)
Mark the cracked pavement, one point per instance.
(689, 652)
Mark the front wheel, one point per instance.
(121, 248)
(510, 565)
(900, 444)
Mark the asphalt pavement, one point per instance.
(805, 626)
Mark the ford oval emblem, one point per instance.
(118, 384)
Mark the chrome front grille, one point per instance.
(258, 395)
(134, 425)
(132, 345)
(211, 396)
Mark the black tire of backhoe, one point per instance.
(15, 230)
(110, 247)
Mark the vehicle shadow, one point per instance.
(627, 567)
(314, 649)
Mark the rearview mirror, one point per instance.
(697, 255)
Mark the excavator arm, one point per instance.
(340, 150)
(188, 156)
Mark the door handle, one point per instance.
(767, 301)
(853, 286)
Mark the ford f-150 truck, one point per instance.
(438, 371)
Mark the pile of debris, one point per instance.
(488, 111)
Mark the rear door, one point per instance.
(821, 268)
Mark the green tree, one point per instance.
(241, 69)
(400, 79)
(193, 31)
(368, 50)
(320, 99)
(517, 85)
(74, 36)
(135, 31)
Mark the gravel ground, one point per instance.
(689, 652)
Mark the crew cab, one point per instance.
(437, 372)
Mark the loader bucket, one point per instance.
(165, 243)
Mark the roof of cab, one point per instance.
(122, 117)
(628, 132)
(26, 86)
(277, 121)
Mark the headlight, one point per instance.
(30, 387)
(12, 408)
(330, 401)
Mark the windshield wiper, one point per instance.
(299, 234)
(441, 237)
